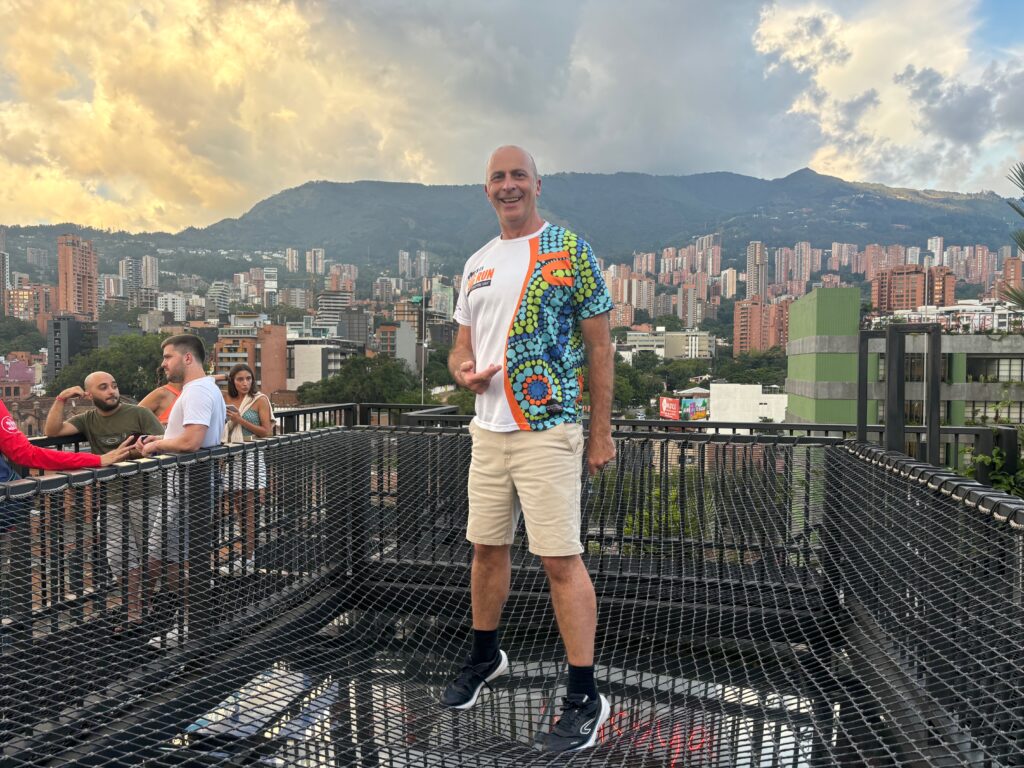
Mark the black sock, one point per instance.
(485, 645)
(581, 680)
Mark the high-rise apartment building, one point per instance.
(746, 325)
(938, 248)
(729, 282)
(291, 259)
(644, 263)
(709, 253)
(33, 303)
(757, 269)
(802, 264)
(38, 257)
(898, 288)
(1012, 273)
(330, 304)
(941, 287)
(759, 326)
(422, 264)
(76, 278)
(150, 272)
(5, 270)
(404, 264)
(129, 269)
(316, 261)
(270, 287)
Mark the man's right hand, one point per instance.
(71, 392)
(473, 380)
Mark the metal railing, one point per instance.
(764, 599)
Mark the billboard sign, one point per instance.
(668, 408)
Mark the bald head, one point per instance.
(512, 149)
(102, 389)
(95, 378)
(513, 186)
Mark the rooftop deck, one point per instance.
(764, 600)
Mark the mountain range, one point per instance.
(367, 222)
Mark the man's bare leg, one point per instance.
(572, 595)
(491, 578)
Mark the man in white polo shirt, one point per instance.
(532, 302)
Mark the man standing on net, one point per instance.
(532, 301)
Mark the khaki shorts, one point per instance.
(538, 472)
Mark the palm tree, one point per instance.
(1015, 296)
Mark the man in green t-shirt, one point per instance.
(106, 426)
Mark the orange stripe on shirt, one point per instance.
(510, 396)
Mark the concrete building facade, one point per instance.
(982, 375)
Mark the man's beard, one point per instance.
(103, 405)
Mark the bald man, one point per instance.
(532, 310)
(106, 426)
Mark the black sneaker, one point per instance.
(578, 726)
(462, 692)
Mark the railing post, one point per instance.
(862, 387)
(934, 376)
(895, 389)
(1005, 439)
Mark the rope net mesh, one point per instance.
(302, 601)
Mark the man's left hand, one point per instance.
(600, 451)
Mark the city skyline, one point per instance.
(160, 116)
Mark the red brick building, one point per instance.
(901, 287)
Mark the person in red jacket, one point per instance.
(17, 449)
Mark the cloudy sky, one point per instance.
(161, 114)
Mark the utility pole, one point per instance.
(423, 346)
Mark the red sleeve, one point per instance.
(16, 447)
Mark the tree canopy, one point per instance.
(131, 359)
(768, 368)
(19, 336)
(365, 380)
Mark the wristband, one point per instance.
(61, 399)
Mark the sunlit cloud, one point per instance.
(903, 104)
(160, 114)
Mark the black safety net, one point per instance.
(302, 601)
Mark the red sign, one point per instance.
(668, 408)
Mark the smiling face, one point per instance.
(512, 186)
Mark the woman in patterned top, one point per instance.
(250, 416)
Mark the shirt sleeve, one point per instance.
(462, 315)
(16, 447)
(198, 407)
(591, 296)
(78, 422)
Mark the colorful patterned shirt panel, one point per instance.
(559, 284)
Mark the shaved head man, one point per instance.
(101, 388)
(107, 426)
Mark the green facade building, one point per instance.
(982, 374)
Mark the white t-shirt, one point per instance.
(524, 299)
(200, 402)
